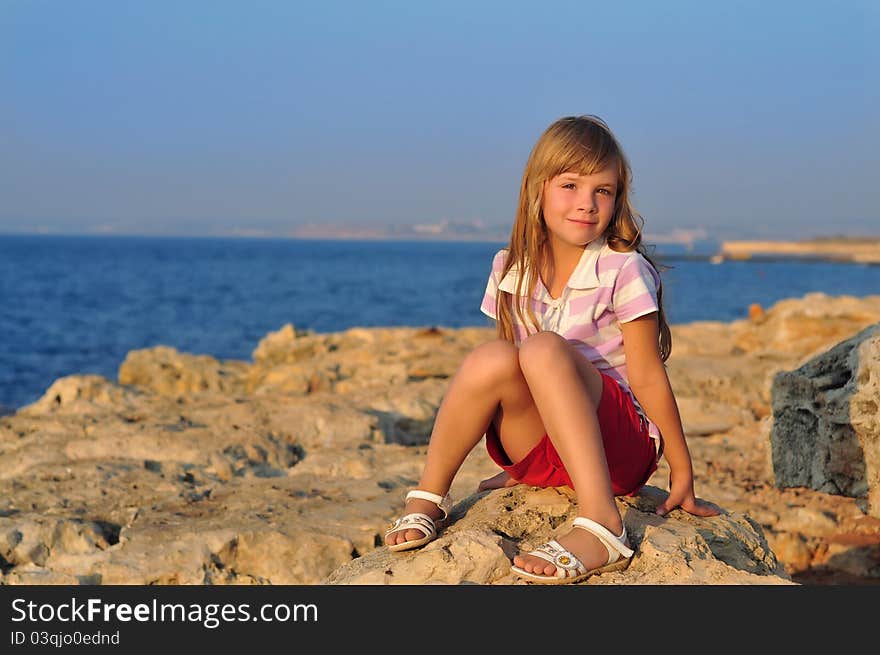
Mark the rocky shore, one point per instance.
(286, 469)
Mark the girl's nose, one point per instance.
(587, 203)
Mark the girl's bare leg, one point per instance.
(566, 389)
(499, 381)
(488, 384)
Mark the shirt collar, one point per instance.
(584, 276)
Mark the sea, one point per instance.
(79, 304)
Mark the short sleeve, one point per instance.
(488, 304)
(635, 289)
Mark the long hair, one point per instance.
(583, 145)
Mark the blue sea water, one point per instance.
(79, 304)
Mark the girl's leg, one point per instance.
(566, 389)
(488, 383)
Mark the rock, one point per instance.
(166, 371)
(701, 417)
(81, 393)
(278, 558)
(31, 574)
(320, 423)
(287, 469)
(826, 433)
(722, 379)
(489, 528)
(283, 378)
(287, 346)
(701, 338)
(792, 548)
(805, 326)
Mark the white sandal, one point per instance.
(568, 567)
(418, 521)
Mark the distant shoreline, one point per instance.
(839, 249)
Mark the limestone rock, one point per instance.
(701, 417)
(288, 468)
(81, 393)
(166, 371)
(806, 325)
(488, 529)
(287, 346)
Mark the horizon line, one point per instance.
(411, 237)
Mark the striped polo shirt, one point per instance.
(607, 288)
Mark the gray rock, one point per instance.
(826, 431)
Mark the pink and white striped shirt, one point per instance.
(607, 288)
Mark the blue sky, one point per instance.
(745, 119)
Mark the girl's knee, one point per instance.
(540, 350)
(492, 362)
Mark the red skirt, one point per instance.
(630, 451)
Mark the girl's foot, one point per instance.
(498, 481)
(582, 544)
(414, 505)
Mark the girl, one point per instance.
(574, 391)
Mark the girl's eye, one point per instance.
(570, 185)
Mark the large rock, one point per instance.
(826, 433)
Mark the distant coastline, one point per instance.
(859, 250)
(478, 231)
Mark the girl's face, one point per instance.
(578, 208)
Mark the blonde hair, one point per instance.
(583, 145)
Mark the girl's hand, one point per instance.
(682, 495)
(499, 481)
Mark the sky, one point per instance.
(743, 119)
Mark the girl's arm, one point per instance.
(650, 384)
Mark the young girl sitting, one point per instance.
(574, 390)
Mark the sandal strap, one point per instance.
(443, 502)
(567, 565)
(415, 521)
(615, 545)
